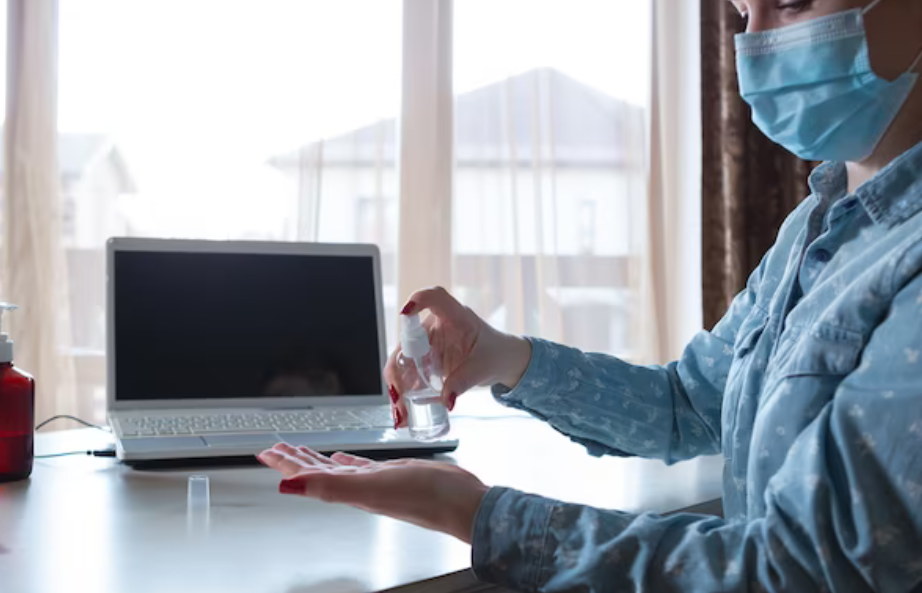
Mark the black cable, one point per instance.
(84, 452)
(75, 419)
(93, 452)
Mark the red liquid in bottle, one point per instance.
(17, 410)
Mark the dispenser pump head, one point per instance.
(414, 340)
(6, 344)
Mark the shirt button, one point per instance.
(822, 256)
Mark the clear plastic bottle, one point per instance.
(427, 416)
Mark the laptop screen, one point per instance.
(190, 325)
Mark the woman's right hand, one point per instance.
(469, 351)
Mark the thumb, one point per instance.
(469, 374)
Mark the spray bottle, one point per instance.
(427, 415)
(17, 412)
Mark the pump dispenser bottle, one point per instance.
(17, 411)
(427, 415)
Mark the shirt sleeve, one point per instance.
(842, 512)
(670, 412)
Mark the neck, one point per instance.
(904, 133)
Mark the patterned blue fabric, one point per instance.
(810, 387)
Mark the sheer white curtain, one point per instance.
(574, 207)
(426, 146)
(671, 311)
(33, 260)
(574, 184)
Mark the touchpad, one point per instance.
(261, 441)
(162, 444)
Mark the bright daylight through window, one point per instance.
(277, 120)
(550, 111)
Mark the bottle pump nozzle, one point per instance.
(6, 344)
(414, 341)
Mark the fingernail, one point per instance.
(397, 418)
(393, 393)
(292, 486)
(408, 308)
(451, 400)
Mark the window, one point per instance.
(221, 119)
(550, 108)
(280, 120)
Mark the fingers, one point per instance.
(391, 370)
(281, 461)
(394, 376)
(357, 481)
(437, 300)
(470, 373)
(398, 408)
(349, 459)
(306, 453)
(290, 460)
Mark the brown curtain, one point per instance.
(749, 184)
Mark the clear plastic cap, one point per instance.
(6, 344)
(414, 340)
(198, 506)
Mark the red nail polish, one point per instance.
(292, 486)
(397, 418)
(408, 308)
(451, 400)
(393, 393)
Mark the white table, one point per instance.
(93, 524)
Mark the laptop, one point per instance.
(225, 348)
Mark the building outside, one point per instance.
(538, 144)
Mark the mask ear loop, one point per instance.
(868, 8)
(916, 62)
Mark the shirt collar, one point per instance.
(890, 197)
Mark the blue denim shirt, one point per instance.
(810, 387)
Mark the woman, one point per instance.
(810, 386)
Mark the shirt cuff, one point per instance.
(539, 375)
(508, 542)
(542, 377)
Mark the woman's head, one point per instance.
(894, 27)
(833, 79)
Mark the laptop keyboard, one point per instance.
(318, 420)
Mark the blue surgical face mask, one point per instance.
(812, 90)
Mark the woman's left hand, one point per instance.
(427, 493)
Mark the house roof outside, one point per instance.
(582, 127)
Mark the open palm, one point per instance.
(427, 493)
